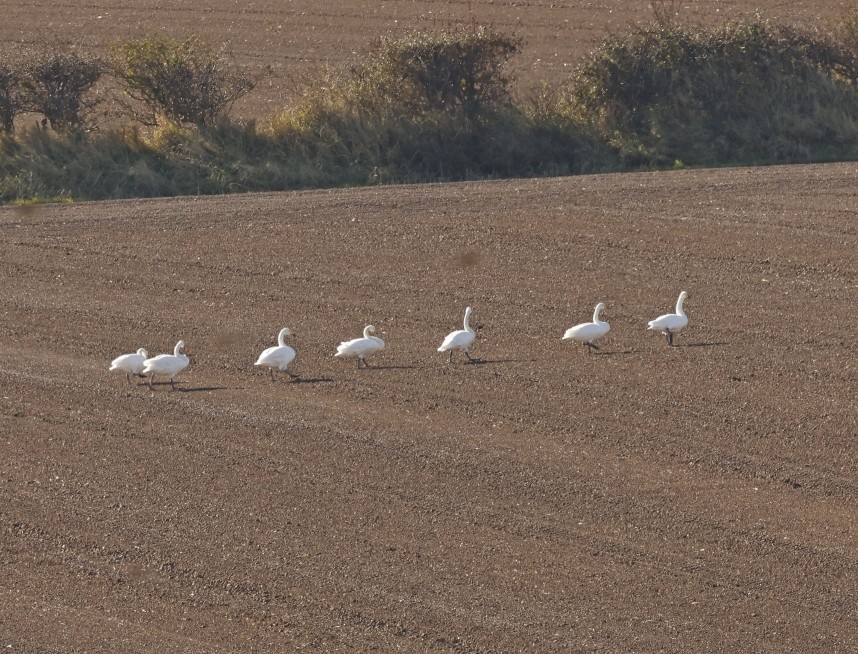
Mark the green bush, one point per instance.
(57, 83)
(458, 69)
(182, 81)
(746, 93)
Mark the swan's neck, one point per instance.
(679, 303)
(367, 331)
(596, 314)
(468, 320)
(177, 350)
(281, 338)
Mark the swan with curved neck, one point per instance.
(130, 364)
(671, 323)
(587, 332)
(460, 339)
(361, 347)
(168, 365)
(278, 357)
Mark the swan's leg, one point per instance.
(172, 384)
(128, 378)
(271, 373)
(292, 374)
(151, 377)
(450, 360)
(470, 360)
(359, 359)
(670, 338)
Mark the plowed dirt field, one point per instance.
(700, 498)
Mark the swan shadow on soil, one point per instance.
(483, 362)
(195, 389)
(376, 367)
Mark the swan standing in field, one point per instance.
(670, 323)
(587, 332)
(130, 364)
(279, 356)
(460, 339)
(169, 365)
(361, 347)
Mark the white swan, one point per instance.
(279, 356)
(460, 339)
(361, 347)
(670, 323)
(587, 332)
(130, 364)
(169, 365)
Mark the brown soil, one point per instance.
(700, 498)
(298, 39)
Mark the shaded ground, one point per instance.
(699, 498)
(298, 38)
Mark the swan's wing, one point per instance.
(123, 361)
(135, 362)
(265, 356)
(348, 347)
(166, 364)
(282, 356)
(671, 321)
(588, 331)
(578, 332)
(660, 322)
(456, 340)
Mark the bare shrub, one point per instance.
(56, 84)
(181, 81)
(10, 96)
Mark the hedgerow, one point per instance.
(438, 105)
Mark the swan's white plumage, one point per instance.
(279, 356)
(587, 332)
(670, 323)
(460, 339)
(168, 365)
(361, 347)
(130, 364)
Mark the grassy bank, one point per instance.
(437, 106)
